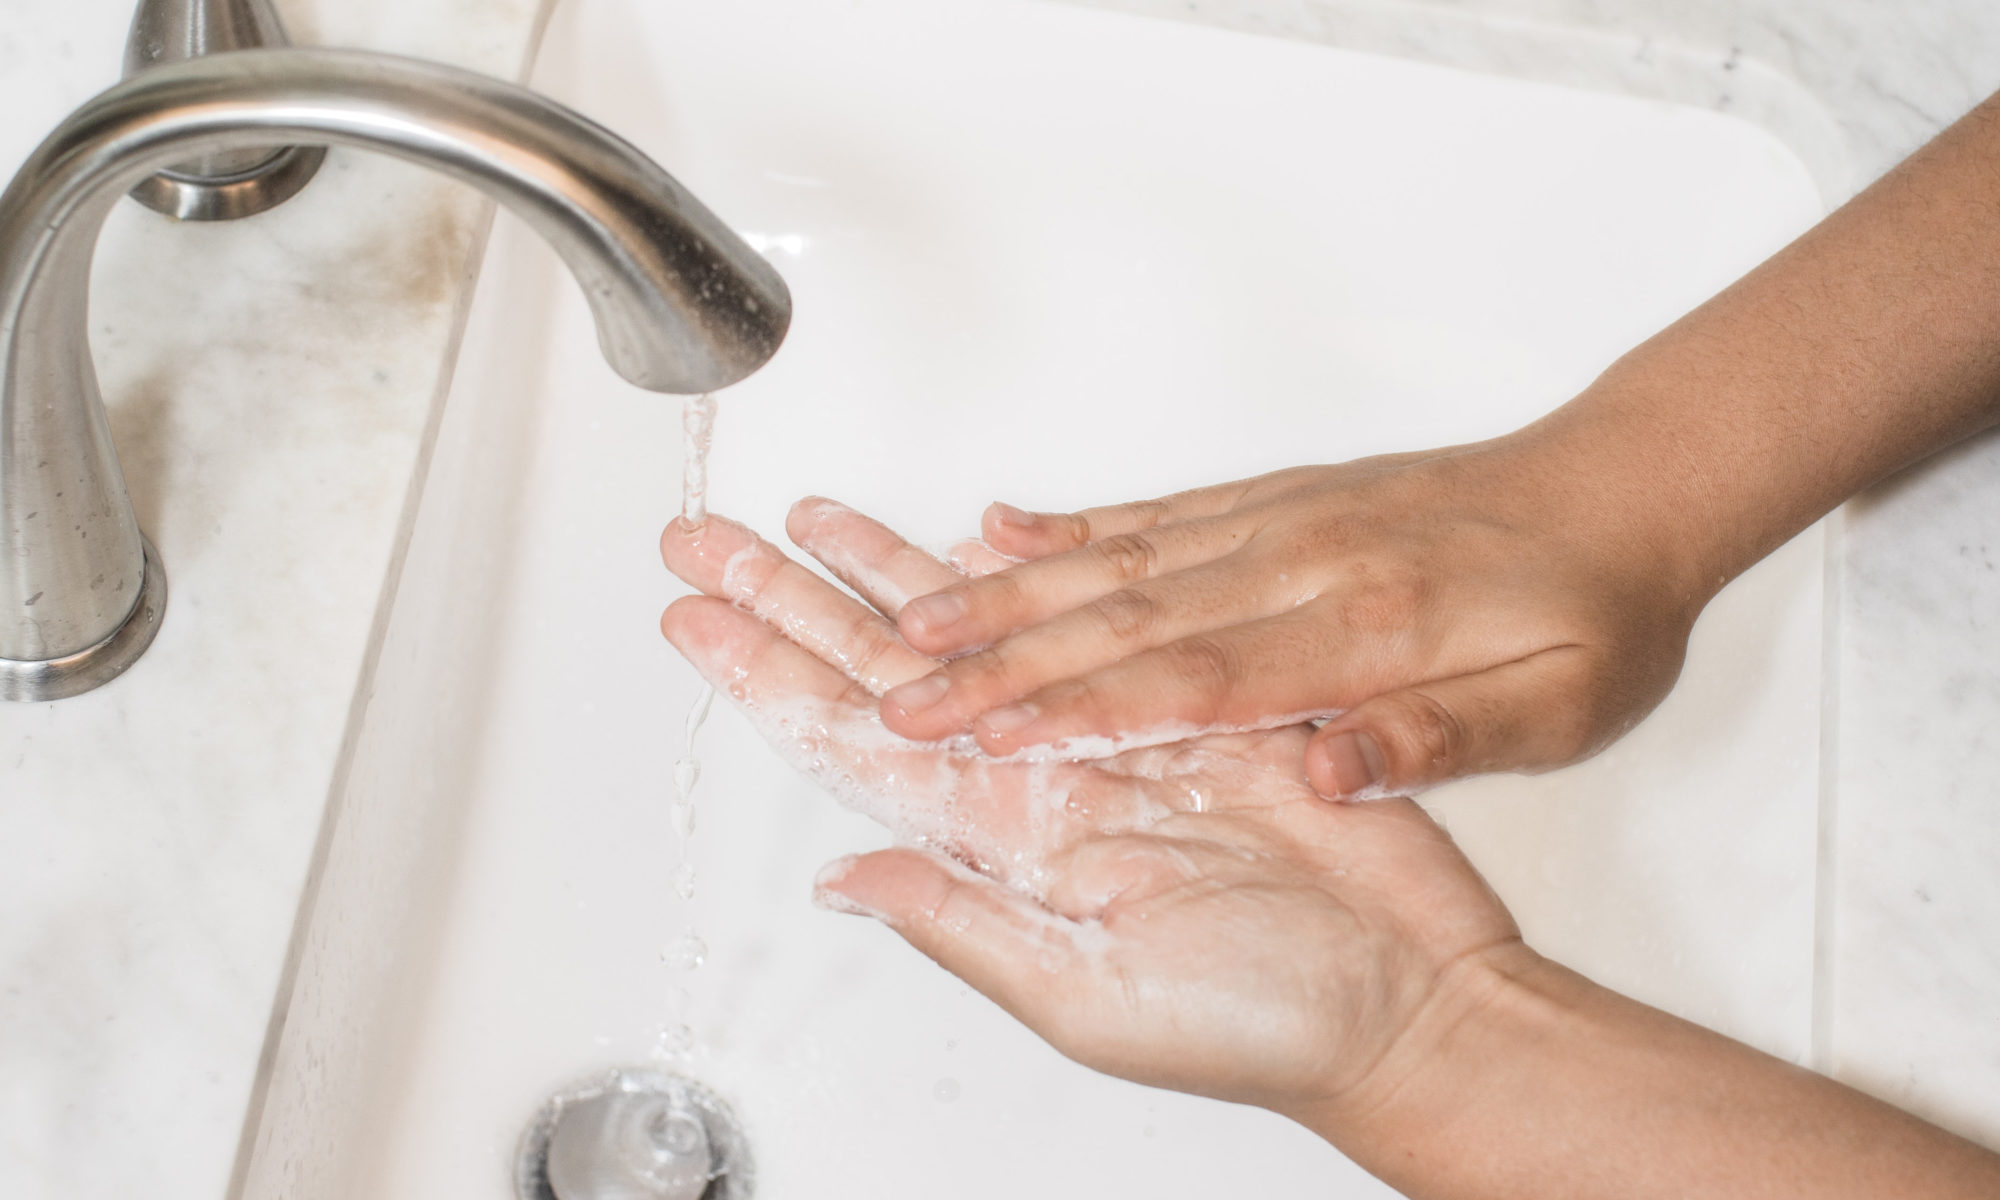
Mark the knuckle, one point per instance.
(1146, 514)
(997, 597)
(872, 652)
(1385, 599)
(1211, 668)
(976, 670)
(1128, 614)
(1128, 557)
(1432, 736)
(1090, 704)
(981, 677)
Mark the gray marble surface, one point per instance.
(153, 839)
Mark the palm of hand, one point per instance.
(1192, 916)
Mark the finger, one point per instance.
(758, 668)
(1261, 674)
(1024, 534)
(977, 559)
(1523, 715)
(1005, 817)
(1003, 944)
(1112, 627)
(727, 560)
(825, 726)
(865, 554)
(979, 612)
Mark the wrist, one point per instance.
(1636, 492)
(1482, 1037)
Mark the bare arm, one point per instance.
(1870, 343)
(1514, 604)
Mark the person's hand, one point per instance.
(1189, 916)
(1458, 612)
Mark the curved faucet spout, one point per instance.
(682, 305)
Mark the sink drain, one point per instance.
(635, 1135)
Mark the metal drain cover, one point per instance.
(635, 1135)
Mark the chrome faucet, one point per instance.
(229, 184)
(681, 304)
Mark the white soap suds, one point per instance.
(870, 581)
(1002, 818)
(1094, 747)
(736, 585)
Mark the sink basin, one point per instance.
(1058, 256)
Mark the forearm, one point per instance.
(1539, 1084)
(1870, 343)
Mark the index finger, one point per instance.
(729, 561)
(865, 554)
(978, 612)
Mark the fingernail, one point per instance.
(1010, 719)
(840, 902)
(1007, 514)
(919, 695)
(937, 612)
(1353, 761)
(825, 884)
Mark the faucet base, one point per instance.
(61, 678)
(265, 185)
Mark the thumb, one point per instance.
(1533, 714)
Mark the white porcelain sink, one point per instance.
(1056, 256)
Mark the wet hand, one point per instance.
(1191, 916)
(1456, 612)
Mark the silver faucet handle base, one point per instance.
(265, 185)
(61, 678)
(237, 183)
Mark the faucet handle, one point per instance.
(224, 185)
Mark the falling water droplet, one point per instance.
(687, 953)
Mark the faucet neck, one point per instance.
(682, 305)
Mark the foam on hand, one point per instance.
(844, 562)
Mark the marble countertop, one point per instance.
(154, 836)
